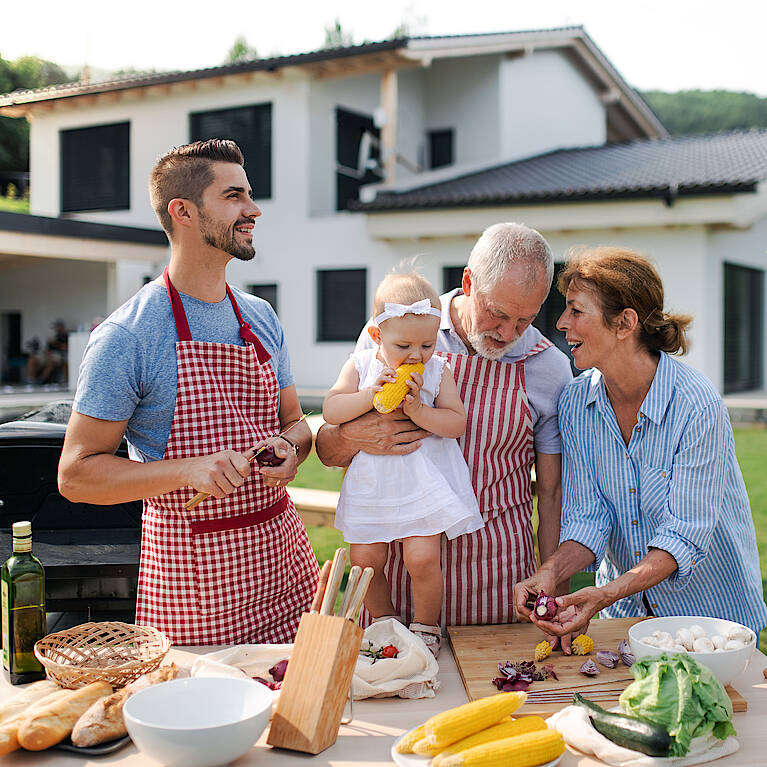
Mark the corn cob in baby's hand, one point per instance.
(450, 726)
(393, 392)
(528, 750)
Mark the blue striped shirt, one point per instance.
(676, 487)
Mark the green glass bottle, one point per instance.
(22, 581)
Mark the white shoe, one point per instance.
(431, 636)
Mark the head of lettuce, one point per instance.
(676, 692)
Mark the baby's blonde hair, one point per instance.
(403, 288)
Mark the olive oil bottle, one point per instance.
(22, 581)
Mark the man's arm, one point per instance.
(90, 472)
(548, 480)
(376, 433)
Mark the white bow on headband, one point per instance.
(400, 310)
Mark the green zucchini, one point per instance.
(626, 731)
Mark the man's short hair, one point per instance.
(502, 245)
(186, 172)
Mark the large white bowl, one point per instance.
(198, 722)
(726, 665)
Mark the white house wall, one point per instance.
(547, 104)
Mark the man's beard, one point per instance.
(484, 349)
(225, 239)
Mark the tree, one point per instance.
(241, 51)
(336, 37)
(27, 72)
(695, 112)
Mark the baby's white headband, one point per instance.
(400, 310)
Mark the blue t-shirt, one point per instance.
(129, 367)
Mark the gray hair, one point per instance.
(502, 245)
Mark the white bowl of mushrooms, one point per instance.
(724, 646)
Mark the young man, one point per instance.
(509, 377)
(197, 375)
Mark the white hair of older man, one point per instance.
(501, 246)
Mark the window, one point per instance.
(452, 276)
(267, 292)
(441, 148)
(95, 168)
(353, 167)
(743, 324)
(550, 312)
(341, 300)
(251, 128)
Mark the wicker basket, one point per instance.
(110, 651)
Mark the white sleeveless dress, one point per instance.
(388, 497)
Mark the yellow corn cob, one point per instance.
(457, 723)
(542, 650)
(507, 728)
(406, 743)
(582, 645)
(392, 394)
(424, 748)
(526, 750)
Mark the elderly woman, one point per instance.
(652, 492)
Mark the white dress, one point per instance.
(426, 492)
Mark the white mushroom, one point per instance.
(739, 632)
(697, 631)
(679, 648)
(663, 637)
(734, 644)
(685, 637)
(650, 640)
(718, 641)
(667, 644)
(703, 644)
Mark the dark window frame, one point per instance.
(79, 189)
(262, 288)
(350, 327)
(448, 277)
(347, 186)
(743, 317)
(443, 154)
(258, 159)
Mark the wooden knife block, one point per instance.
(316, 684)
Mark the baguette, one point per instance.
(9, 729)
(50, 725)
(28, 695)
(103, 721)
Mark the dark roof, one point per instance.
(691, 165)
(161, 78)
(64, 227)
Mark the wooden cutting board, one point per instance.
(479, 649)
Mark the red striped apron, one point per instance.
(481, 568)
(239, 569)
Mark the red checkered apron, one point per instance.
(239, 569)
(481, 568)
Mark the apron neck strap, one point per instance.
(182, 325)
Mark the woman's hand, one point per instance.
(412, 404)
(575, 612)
(278, 476)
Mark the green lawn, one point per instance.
(12, 205)
(750, 443)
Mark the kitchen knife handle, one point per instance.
(351, 585)
(321, 584)
(200, 497)
(334, 582)
(359, 594)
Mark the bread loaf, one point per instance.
(30, 694)
(9, 729)
(103, 721)
(52, 723)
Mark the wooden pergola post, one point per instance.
(389, 128)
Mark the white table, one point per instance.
(366, 742)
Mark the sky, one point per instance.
(655, 44)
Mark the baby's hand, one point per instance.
(387, 376)
(412, 404)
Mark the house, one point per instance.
(365, 155)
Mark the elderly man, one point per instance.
(509, 377)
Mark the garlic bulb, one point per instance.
(703, 644)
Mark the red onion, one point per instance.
(589, 668)
(267, 457)
(545, 606)
(608, 658)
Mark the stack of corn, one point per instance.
(393, 392)
(484, 733)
